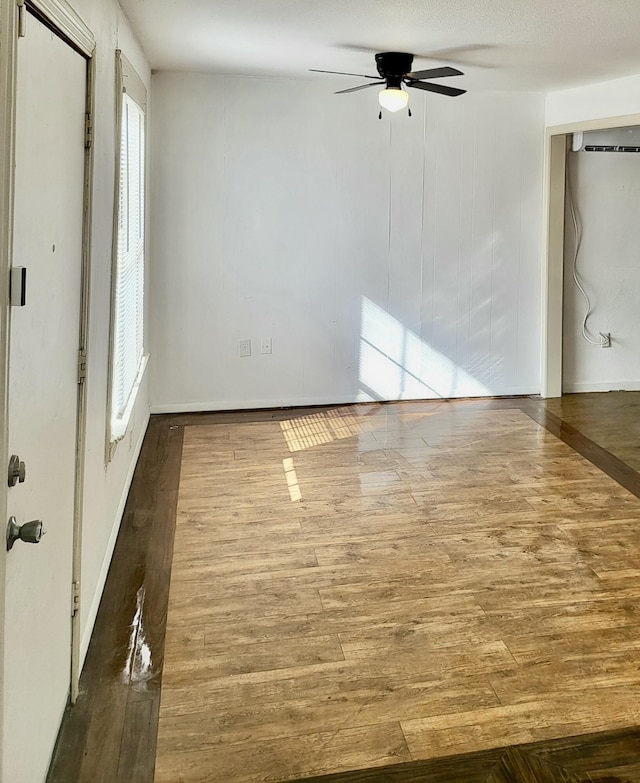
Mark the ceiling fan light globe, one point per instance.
(393, 99)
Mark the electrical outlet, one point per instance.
(266, 345)
(245, 347)
(605, 338)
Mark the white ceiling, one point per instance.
(539, 45)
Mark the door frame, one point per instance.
(555, 155)
(8, 40)
(64, 22)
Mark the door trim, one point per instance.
(64, 21)
(553, 243)
(81, 420)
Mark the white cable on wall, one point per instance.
(605, 339)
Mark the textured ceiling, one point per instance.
(537, 45)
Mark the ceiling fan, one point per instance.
(394, 70)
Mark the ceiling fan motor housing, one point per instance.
(392, 66)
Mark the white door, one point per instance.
(51, 85)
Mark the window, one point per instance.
(127, 318)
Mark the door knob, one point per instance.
(30, 532)
(17, 470)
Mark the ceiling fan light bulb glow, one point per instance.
(393, 99)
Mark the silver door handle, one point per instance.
(30, 532)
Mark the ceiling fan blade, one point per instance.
(442, 89)
(340, 73)
(435, 73)
(355, 89)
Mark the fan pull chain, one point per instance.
(408, 109)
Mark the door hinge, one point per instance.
(82, 366)
(22, 19)
(75, 601)
(88, 130)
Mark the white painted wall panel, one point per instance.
(529, 307)
(606, 188)
(406, 188)
(482, 248)
(505, 271)
(386, 259)
(613, 98)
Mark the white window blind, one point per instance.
(128, 314)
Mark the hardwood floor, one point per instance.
(610, 757)
(612, 420)
(470, 602)
(110, 733)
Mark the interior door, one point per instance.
(43, 394)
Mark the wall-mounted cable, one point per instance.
(605, 339)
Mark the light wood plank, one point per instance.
(461, 573)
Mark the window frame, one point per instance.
(128, 86)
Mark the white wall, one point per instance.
(606, 189)
(106, 487)
(386, 259)
(614, 98)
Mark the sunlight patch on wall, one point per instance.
(395, 364)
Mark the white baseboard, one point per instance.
(236, 405)
(518, 391)
(104, 570)
(298, 402)
(600, 386)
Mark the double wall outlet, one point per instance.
(244, 346)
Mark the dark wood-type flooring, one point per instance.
(110, 734)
